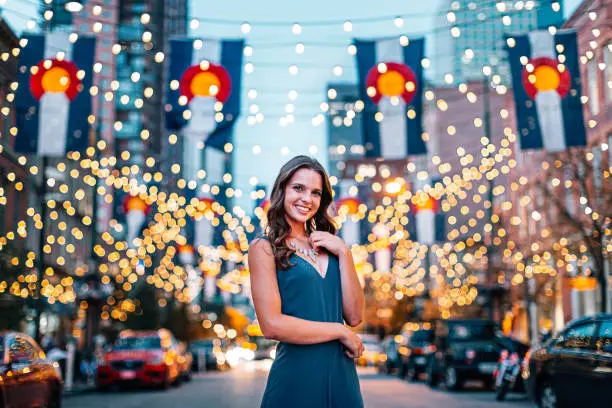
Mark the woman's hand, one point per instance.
(332, 243)
(352, 343)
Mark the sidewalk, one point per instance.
(79, 388)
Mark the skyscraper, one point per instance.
(144, 30)
(470, 34)
(345, 138)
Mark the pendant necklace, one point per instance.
(307, 253)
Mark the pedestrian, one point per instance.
(304, 285)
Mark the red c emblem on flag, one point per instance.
(206, 80)
(546, 74)
(391, 79)
(57, 76)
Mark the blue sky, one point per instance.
(271, 60)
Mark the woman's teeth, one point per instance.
(302, 210)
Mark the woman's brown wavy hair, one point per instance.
(277, 228)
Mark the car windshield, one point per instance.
(202, 343)
(471, 332)
(421, 336)
(138, 343)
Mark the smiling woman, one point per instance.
(304, 287)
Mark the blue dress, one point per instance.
(317, 375)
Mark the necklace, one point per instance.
(307, 253)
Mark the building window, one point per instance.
(608, 72)
(610, 150)
(569, 193)
(593, 88)
(597, 167)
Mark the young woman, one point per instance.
(304, 286)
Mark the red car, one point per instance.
(27, 378)
(147, 358)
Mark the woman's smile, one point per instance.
(302, 209)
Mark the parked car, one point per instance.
(143, 358)
(372, 350)
(575, 368)
(464, 350)
(208, 354)
(185, 361)
(389, 359)
(27, 378)
(414, 356)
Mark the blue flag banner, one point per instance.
(203, 95)
(427, 218)
(390, 76)
(53, 100)
(203, 98)
(546, 84)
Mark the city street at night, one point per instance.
(319, 204)
(243, 387)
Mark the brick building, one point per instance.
(555, 195)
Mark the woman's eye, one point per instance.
(297, 188)
(317, 193)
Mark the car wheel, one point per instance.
(501, 391)
(401, 372)
(548, 397)
(411, 373)
(178, 380)
(432, 376)
(451, 378)
(55, 400)
(166, 383)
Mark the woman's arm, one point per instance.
(266, 298)
(353, 300)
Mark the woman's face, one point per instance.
(303, 195)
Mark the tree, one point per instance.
(577, 173)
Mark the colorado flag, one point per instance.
(391, 87)
(427, 217)
(203, 97)
(546, 83)
(53, 101)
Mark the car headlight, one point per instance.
(156, 360)
(57, 369)
(272, 353)
(249, 355)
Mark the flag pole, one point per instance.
(490, 184)
(40, 306)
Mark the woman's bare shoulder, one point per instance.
(261, 246)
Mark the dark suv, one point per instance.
(464, 350)
(575, 368)
(414, 359)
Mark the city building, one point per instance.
(16, 195)
(470, 34)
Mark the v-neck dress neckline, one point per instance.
(322, 276)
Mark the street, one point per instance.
(243, 387)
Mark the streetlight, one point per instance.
(74, 6)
